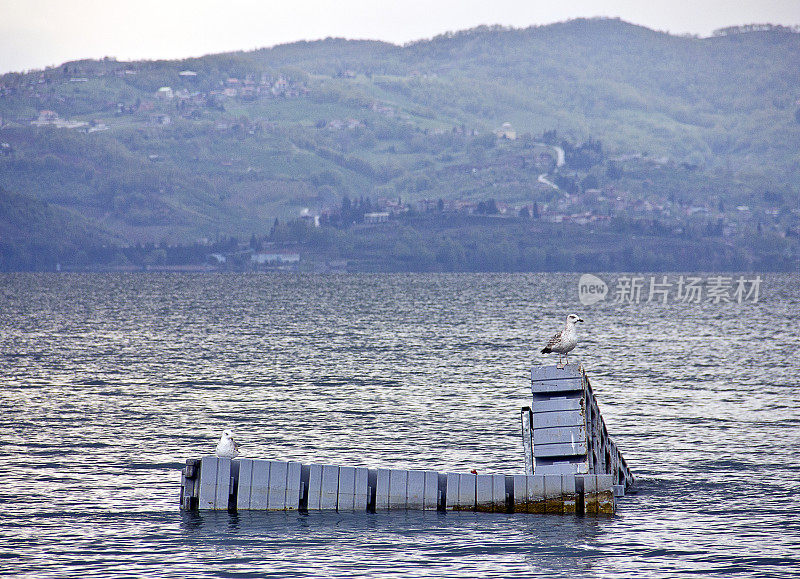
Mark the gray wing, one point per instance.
(554, 341)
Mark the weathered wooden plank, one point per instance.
(314, 487)
(605, 494)
(259, 484)
(598, 494)
(574, 401)
(430, 496)
(559, 418)
(535, 487)
(554, 372)
(554, 501)
(415, 492)
(244, 485)
(520, 493)
(276, 493)
(565, 467)
(451, 496)
(293, 485)
(552, 486)
(571, 384)
(346, 498)
(466, 491)
(190, 484)
(560, 449)
(558, 435)
(187, 488)
(590, 494)
(215, 483)
(252, 484)
(535, 493)
(398, 485)
(208, 482)
(223, 483)
(330, 487)
(527, 438)
(568, 492)
(382, 490)
(483, 493)
(499, 493)
(361, 497)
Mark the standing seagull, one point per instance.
(227, 447)
(565, 341)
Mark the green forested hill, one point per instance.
(684, 133)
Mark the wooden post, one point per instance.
(314, 487)
(553, 499)
(526, 417)
(293, 489)
(536, 496)
(466, 492)
(416, 490)
(330, 487)
(276, 491)
(499, 493)
(346, 500)
(430, 497)
(483, 493)
(521, 493)
(398, 486)
(382, 490)
(569, 493)
(190, 484)
(451, 501)
(361, 497)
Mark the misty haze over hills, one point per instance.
(644, 149)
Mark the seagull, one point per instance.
(565, 341)
(227, 447)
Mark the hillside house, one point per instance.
(310, 219)
(377, 217)
(275, 258)
(506, 132)
(51, 118)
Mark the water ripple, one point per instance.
(111, 381)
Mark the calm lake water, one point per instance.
(109, 382)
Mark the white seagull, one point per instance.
(227, 447)
(565, 341)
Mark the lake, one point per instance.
(109, 382)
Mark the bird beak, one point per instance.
(580, 320)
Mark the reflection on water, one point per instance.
(451, 545)
(111, 381)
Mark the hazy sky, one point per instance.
(38, 33)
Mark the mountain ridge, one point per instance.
(176, 151)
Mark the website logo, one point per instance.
(688, 289)
(591, 289)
